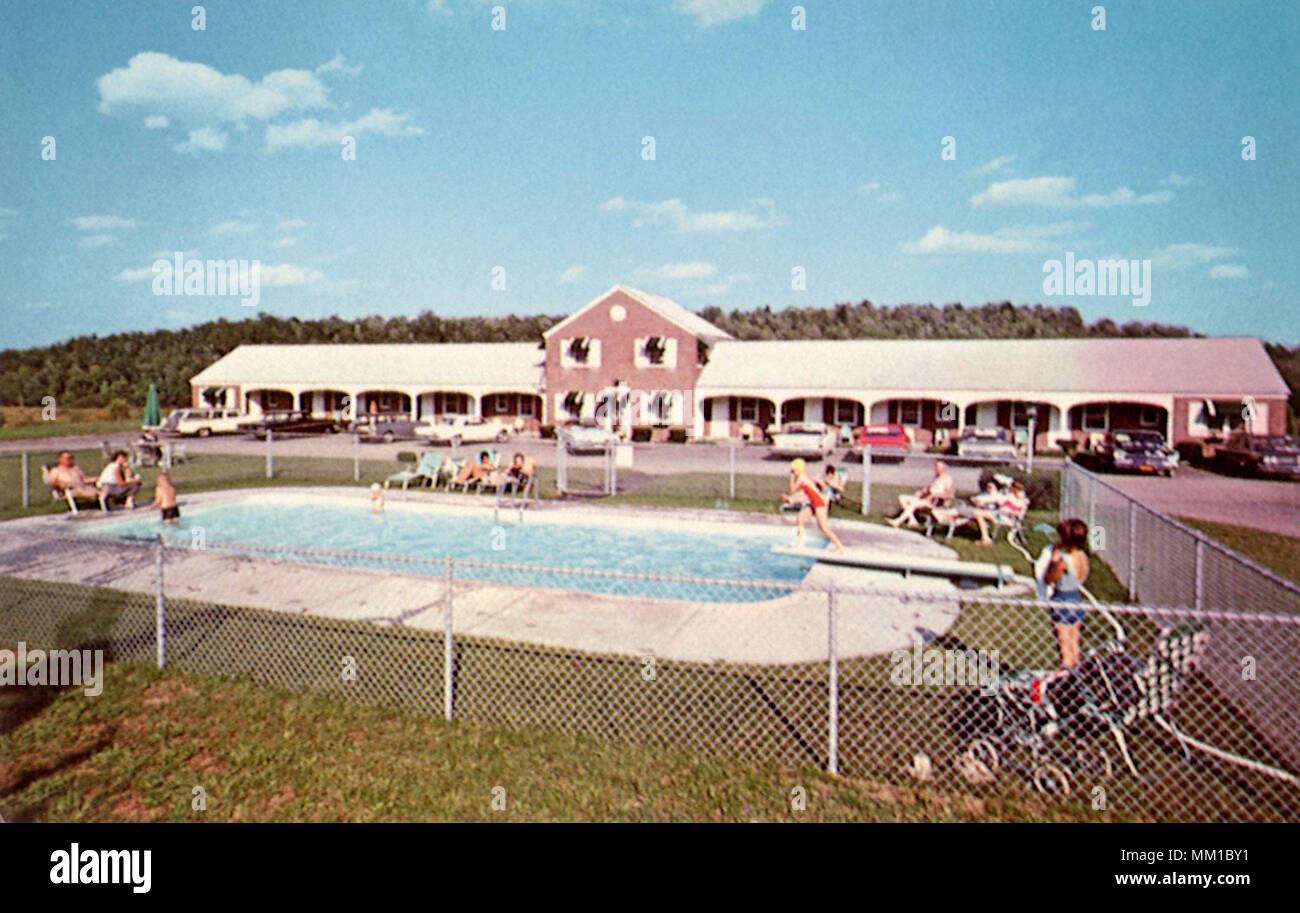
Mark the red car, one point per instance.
(890, 441)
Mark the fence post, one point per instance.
(732, 489)
(159, 613)
(1092, 501)
(27, 489)
(613, 469)
(356, 458)
(447, 650)
(561, 462)
(1200, 573)
(1132, 548)
(270, 455)
(1029, 445)
(833, 687)
(866, 480)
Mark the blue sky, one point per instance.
(522, 148)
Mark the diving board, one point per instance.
(883, 561)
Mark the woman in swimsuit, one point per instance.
(803, 490)
(1067, 569)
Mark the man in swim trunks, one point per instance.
(938, 492)
(164, 497)
(803, 490)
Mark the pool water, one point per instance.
(540, 542)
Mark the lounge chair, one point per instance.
(494, 457)
(59, 493)
(425, 471)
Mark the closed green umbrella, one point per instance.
(152, 412)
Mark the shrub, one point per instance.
(547, 432)
(119, 408)
(642, 435)
(677, 436)
(1042, 486)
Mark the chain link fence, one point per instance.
(1174, 713)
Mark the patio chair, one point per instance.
(494, 457)
(58, 493)
(426, 469)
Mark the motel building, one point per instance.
(630, 359)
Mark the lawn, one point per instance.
(1278, 553)
(139, 751)
(41, 430)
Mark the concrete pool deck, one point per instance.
(788, 629)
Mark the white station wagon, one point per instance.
(203, 422)
(462, 429)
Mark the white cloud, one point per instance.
(156, 122)
(1059, 191)
(573, 273)
(286, 241)
(337, 65)
(102, 223)
(681, 272)
(1188, 254)
(675, 213)
(233, 227)
(1229, 271)
(1011, 240)
(292, 224)
(993, 165)
(881, 193)
(204, 139)
(101, 240)
(197, 93)
(312, 132)
(709, 13)
(6, 212)
(1176, 180)
(134, 275)
(286, 274)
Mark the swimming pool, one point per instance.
(543, 540)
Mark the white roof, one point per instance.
(666, 308)
(1224, 366)
(431, 366)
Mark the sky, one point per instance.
(706, 150)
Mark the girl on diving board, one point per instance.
(803, 490)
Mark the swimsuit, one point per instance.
(815, 499)
(1067, 590)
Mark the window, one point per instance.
(580, 352)
(909, 412)
(526, 406)
(655, 352)
(1096, 417)
(846, 412)
(661, 407)
(455, 404)
(572, 404)
(1149, 417)
(1021, 413)
(500, 404)
(748, 409)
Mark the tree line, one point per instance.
(116, 370)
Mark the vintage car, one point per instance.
(463, 429)
(987, 444)
(885, 441)
(1276, 455)
(203, 422)
(588, 438)
(1135, 451)
(805, 439)
(385, 428)
(289, 421)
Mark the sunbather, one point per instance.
(118, 481)
(513, 475)
(804, 491)
(68, 477)
(474, 472)
(938, 492)
(1003, 509)
(831, 482)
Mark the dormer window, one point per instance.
(580, 352)
(656, 352)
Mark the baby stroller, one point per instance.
(1051, 726)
